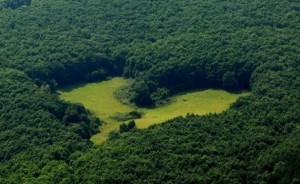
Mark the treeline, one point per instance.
(223, 60)
(13, 4)
(255, 141)
(216, 44)
(37, 129)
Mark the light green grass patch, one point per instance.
(197, 102)
(99, 98)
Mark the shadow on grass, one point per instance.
(71, 87)
(201, 89)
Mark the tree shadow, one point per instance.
(71, 87)
(201, 89)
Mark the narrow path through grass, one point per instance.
(99, 98)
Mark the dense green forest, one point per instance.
(13, 4)
(165, 46)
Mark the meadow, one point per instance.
(99, 98)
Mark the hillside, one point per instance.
(166, 47)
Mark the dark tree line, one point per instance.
(13, 4)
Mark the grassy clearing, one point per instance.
(99, 98)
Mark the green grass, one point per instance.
(99, 98)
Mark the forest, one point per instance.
(165, 47)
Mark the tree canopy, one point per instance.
(166, 47)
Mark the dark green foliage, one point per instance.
(131, 124)
(256, 141)
(127, 127)
(127, 116)
(113, 135)
(141, 94)
(135, 115)
(166, 46)
(37, 130)
(229, 80)
(13, 4)
(123, 128)
(73, 41)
